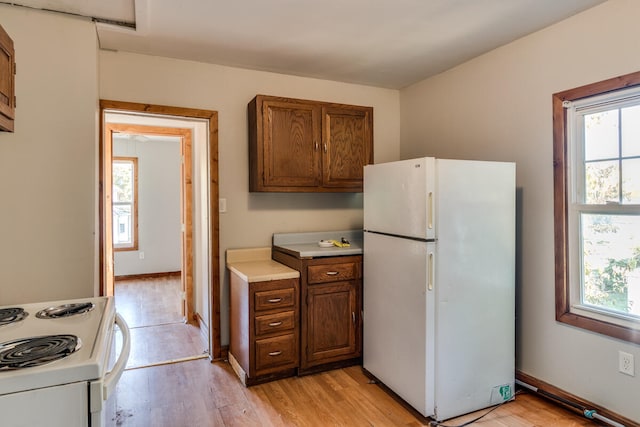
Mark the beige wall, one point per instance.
(251, 218)
(48, 166)
(498, 106)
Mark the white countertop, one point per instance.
(256, 265)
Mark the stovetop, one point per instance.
(88, 355)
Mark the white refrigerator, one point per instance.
(439, 282)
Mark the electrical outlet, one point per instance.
(625, 363)
(141, 255)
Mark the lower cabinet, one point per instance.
(330, 310)
(264, 319)
(288, 327)
(331, 323)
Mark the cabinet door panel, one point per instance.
(7, 82)
(332, 320)
(291, 144)
(346, 145)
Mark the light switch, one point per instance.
(222, 205)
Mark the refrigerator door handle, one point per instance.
(430, 211)
(430, 272)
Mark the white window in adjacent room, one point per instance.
(597, 194)
(125, 203)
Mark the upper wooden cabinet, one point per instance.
(299, 145)
(7, 79)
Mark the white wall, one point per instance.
(252, 218)
(48, 236)
(159, 236)
(498, 106)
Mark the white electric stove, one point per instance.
(54, 362)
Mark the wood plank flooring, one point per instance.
(152, 301)
(151, 308)
(198, 393)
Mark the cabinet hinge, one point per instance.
(14, 68)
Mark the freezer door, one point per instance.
(399, 198)
(398, 317)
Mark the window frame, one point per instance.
(562, 230)
(134, 206)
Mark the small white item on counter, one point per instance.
(325, 243)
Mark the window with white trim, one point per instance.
(125, 203)
(597, 206)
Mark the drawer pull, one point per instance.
(332, 273)
(275, 300)
(275, 353)
(274, 324)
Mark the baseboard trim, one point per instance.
(544, 386)
(202, 325)
(148, 275)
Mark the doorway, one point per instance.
(196, 131)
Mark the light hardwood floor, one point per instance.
(151, 308)
(198, 393)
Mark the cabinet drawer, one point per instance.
(277, 298)
(331, 272)
(276, 352)
(271, 323)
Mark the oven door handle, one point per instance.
(112, 377)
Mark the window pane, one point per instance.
(631, 181)
(601, 135)
(122, 181)
(602, 183)
(631, 131)
(122, 225)
(611, 262)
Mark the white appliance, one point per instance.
(74, 340)
(439, 282)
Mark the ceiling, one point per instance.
(383, 43)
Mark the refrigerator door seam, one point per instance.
(417, 239)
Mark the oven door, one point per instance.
(57, 406)
(101, 389)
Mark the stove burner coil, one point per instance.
(36, 351)
(11, 315)
(65, 310)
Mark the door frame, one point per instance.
(186, 205)
(105, 268)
